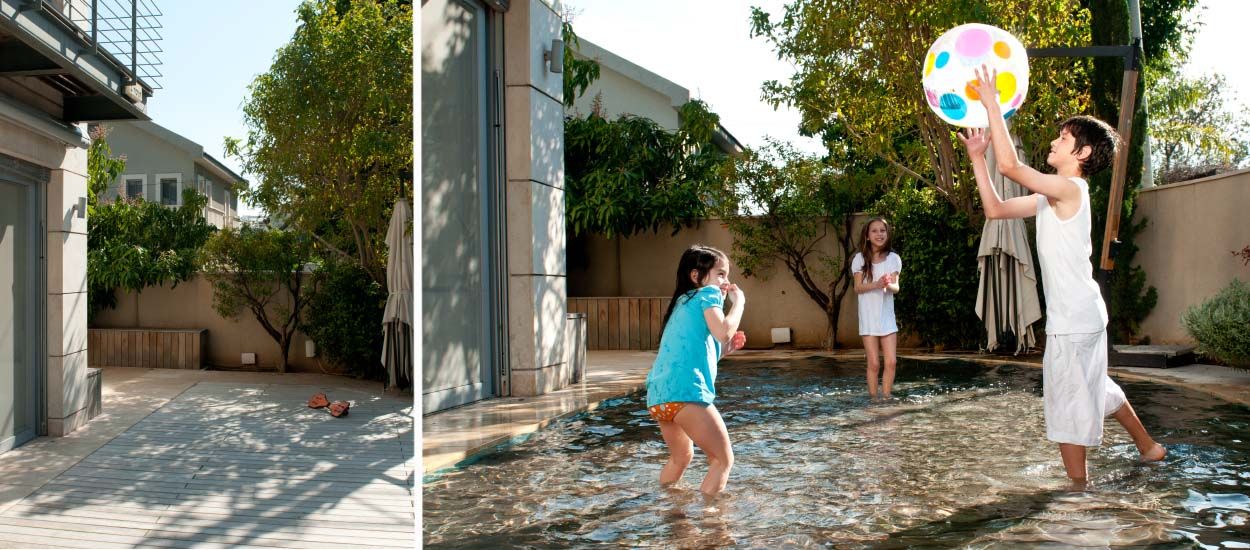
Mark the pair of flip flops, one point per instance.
(336, 409)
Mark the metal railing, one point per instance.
(126, 32)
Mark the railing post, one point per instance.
(134, 39)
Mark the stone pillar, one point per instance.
(534, 140)
(67, 296)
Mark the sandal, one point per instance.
(339, 408)
(318, 400)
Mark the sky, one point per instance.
(213, 50)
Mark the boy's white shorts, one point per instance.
(1076, 391)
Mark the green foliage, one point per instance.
(858, 64)
(344, 317)
(1165, 31)
(939, 283)
(134, 244)
(330, 127)
(259, 270)
(102, 167)
(630, 175)
(781, 206)
(579, 74)
(1131, 299)
(1219, 325)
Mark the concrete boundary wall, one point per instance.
(190, 306)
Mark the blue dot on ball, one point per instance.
(953, 106)
(1009, 113)
(942, 59)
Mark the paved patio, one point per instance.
(217, 459)
(452, 436)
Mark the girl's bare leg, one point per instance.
(873, 358)
(706, 428)
(889, 348)
(680, 449)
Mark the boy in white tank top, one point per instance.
(1077, 393)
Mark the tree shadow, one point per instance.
(231, 464)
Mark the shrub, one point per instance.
(345, 318)
(1221, 325)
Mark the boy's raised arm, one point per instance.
(976, 142)
(1051, 185)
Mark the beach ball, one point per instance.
(949, 75)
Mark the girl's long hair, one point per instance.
(865, 246)
(699, 258)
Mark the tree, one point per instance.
(806, 208)
(579, 74)
(1165, 38)
(260, 270)
(134, 244)
(102, 167)
(630, 175)
(330, 127)
(1193, 126)
(858, 64)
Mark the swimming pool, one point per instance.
(959, 458)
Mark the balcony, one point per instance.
(81, 60)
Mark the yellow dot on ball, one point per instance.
(1006, 87)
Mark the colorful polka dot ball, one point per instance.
(949, 75)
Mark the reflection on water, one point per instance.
(959, 458)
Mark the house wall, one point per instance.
(624, 95)
(534, 169)
(218, 211)
(1186, 248)
(626, 88)
(147, 154)
(65, 277)
(190, 306)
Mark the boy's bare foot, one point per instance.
(1155, 454)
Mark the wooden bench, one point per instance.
(147, 348)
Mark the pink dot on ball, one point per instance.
(1016, 102)
(973, 42)
(933, 100)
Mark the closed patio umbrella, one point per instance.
(1007, 295)
(397, 319)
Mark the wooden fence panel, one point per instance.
(621, 323)
(147, 348)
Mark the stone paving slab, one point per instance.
(219, 462)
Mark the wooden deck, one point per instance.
(228, 465)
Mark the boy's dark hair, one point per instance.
(1100, 137)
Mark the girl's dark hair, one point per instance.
(865, 246)
(700, 259)
(1102, 139)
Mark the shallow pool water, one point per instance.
(958, 458)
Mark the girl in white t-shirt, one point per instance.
(876, 283)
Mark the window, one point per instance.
(133, 186)
(169, 189)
